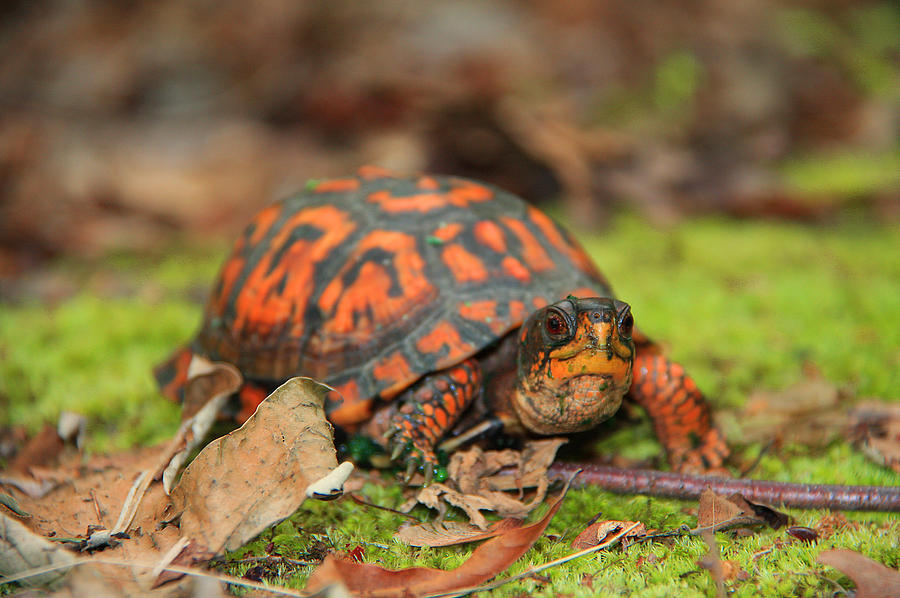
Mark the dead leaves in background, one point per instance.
(811, 413)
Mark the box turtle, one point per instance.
(424, 299)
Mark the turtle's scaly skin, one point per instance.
(407, 295)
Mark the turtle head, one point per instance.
(574, 364)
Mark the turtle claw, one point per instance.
(410, 471)
(399, 448)
(429, 473)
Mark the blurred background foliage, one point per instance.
(126, 124)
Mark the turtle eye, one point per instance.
(555, 324)
(626, 323)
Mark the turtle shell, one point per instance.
(370, 282)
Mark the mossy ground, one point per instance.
(744, 305)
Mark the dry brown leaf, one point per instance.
(718, 512)
(597, 532)
(876, 431)
(435, 495)
(872, 579)
(448, 533)
(21, 550)
(207, 390)
(477, 478)
(259, 474)
(489, 559)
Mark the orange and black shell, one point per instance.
(370, 282)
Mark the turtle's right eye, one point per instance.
(556, 326)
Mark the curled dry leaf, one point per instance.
(259, 474)
(718, 512)
(489, 559)
(872, 579)
(478, 481)
(448, 533)
(208, 387)
(597, 533)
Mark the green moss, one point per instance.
(744, 305)
(848, 175)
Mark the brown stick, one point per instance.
(676, 485)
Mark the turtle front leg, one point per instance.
(681, 416)
(418, 418)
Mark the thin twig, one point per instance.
(365, 503)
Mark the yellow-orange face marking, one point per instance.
(534, 254)
(465, 266)
(445, 334)
(489, 234)
(395, 369)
